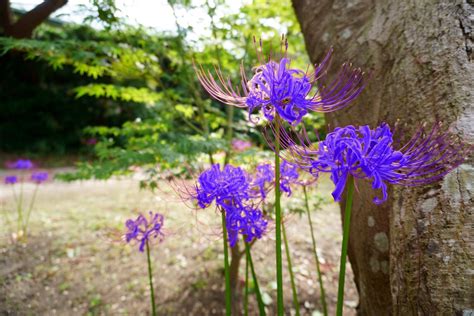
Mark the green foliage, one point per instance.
(129, 94)
(174, 124)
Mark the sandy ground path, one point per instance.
(75, 264)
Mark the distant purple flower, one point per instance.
(265, 174)
(91, 141)
(144, 229)
(11, 179)
(240, 145)
(370, 154)
(288, 175)
(21, 164)
(39, 177)
(275, 88)
(226, 187)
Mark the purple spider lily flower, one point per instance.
(39, 177)
(371, 154)
(226, 186)
(11, 179)
(265, 174)
(288, 175)
(22, 164)
(230, 188)
(276, 88)
(144, 229)
(247, 221)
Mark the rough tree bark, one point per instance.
(23, 28)
(413, 254)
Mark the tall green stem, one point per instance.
(261, 305)
(20, 208)
(246, 294)
(279, 267)
(150, 278)
(316, 258)
(296, 304)
(345, 242)
(226, 267)
(28, 214)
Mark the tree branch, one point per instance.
(23, 28)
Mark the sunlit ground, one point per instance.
(74, 262)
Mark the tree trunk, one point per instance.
(413, 254)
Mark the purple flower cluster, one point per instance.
(24, 164)
(11, 179)
(370, 154)
(265, 177)
(39, 177)
(288, 175)
(275, 88)
(226, 187)
(230, 188)
(144, 229)
(247, 221)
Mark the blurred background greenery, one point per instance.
(120, 94)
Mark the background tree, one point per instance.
(413, 254)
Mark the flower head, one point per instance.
(144, 229)
(22, 164)
(39, 177)
(232, 191)
(247, 221)
(265, 177)
(371, 154)
(288, 175)
(276, 88)
(11, 179)
(362, 153)
(226, 187)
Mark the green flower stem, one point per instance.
(226, 267)
(15, 198)
(316, 258)
(279, 267)
(261, 305)
(246, 293)
(150, 278)
(345, 242)
(20, 207)
(296, 304)
(28, 214)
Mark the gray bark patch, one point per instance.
(381, 241)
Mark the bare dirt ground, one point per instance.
(75, 264)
